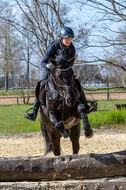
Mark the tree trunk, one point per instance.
(63, 167)
(6, 82)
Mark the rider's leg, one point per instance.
(32, 116)
(88, 108)
(83, 99)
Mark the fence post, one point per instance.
(17, 100)
(107, 95)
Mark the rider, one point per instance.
(59, 50)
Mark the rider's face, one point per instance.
(66, 41)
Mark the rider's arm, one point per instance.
(73, 56)
(51, 51)
(73, 51)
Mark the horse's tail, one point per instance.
(47, 140)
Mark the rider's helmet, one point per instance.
(66, 32)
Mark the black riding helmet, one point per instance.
(66, 32)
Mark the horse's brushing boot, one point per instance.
(88, 132)
(32, 116)
(87, 128)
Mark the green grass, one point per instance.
(108, 119)
(17, 93)
(12, 118)
(109, 105)
(106, 116)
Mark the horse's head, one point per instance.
(63, 77)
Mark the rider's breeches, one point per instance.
(45, 73)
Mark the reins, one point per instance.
(64, 69)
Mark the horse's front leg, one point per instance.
(87, 128)
(54, 137)
(56, 118)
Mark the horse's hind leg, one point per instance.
(74, 137)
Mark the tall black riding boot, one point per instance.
(84, 101)
(32, 116)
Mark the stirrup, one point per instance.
(27, 115)
(90, 109)
(28, 110)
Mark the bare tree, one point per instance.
(43, 19)
(106, 36)
(102, 36)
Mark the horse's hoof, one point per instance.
(88, 132)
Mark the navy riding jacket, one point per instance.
(57, 48)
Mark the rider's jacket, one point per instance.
(58, 49)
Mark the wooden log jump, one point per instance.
(63, 167)
(116, 183)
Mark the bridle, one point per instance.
(62, 70)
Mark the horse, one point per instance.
(62, 111)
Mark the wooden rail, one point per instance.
(16, 98)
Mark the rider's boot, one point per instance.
(88, 132)
(83, 100)
(32, 116)
(88, 108)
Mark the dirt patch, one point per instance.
(32, 144)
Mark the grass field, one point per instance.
(12, 118)
(10, 93)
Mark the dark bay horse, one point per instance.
(61, 113)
